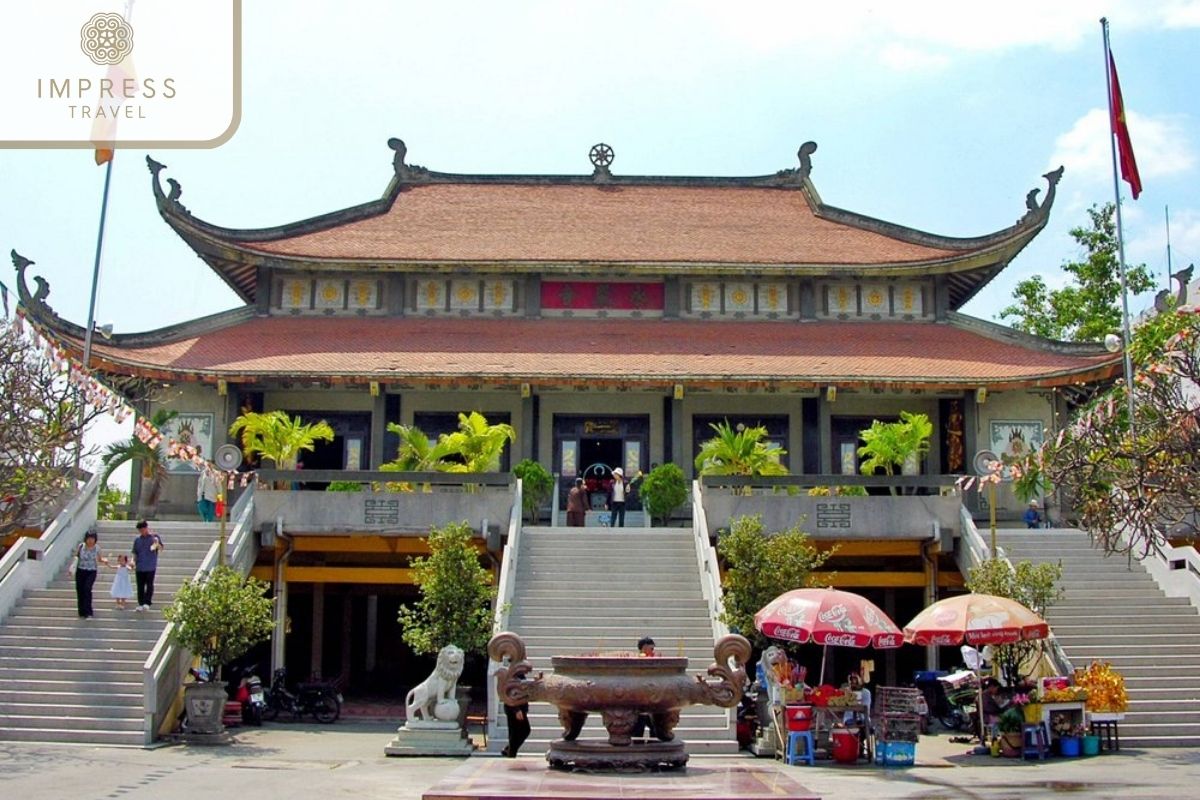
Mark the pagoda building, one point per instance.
(610, 319)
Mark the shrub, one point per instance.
(456, 595)
(662, 491)
(536, 486)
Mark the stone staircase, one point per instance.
(1112, 611)
(66, 679)
(586, 590)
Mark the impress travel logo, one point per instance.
(149, 73)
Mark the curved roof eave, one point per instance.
(224, 247)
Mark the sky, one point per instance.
(935, 115)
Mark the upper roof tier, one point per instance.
(642, 225)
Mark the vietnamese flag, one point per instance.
(1116, 110)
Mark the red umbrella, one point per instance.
(977, 619)
(825, 617)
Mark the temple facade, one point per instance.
(611, 320)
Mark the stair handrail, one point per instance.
(240, 550)
(33, 563)
(1176, 570)
(973, 553)
(505, 587)
(166, 666)
(710, 568)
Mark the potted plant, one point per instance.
(895, 445)
(536, 485)
(1010, 726)
(217, 617)
(275, 435)
(662, 491)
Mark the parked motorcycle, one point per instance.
(958, 708)
(321, 700)
(253, 699)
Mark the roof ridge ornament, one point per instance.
(404, 171)
(601, 155)
(171, 198)
(798, 175)
(38, 298)
(1036, 209)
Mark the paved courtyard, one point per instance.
(346, 760)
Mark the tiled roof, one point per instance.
(603, 223)
(547, 351)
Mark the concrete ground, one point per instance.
(346, 760)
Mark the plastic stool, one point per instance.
(1034, 741)
(1109, 733)
(794, 738)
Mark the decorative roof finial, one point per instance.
(805, 155)
(401, 151)
(601, 156)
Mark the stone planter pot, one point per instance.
(205, 706)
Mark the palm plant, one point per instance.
(740, 452)
(275, 435)
(478, 443)
(152, 460)
(888, 445)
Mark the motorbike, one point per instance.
(958, 709)
(321, 700)
(253, 699)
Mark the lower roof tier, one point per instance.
(558, 352)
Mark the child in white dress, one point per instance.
(122, 586)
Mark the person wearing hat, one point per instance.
(617, 492)
(88, 559)
(1033, 518)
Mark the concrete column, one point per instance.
(889, 658)
(378, 429)
(372, 633)
(318, 627)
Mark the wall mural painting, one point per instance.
(1016, 438)
(192, 429)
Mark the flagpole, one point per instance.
(1112, 143)
(91, 317)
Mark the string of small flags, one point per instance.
(103, 399)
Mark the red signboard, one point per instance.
(595, 296)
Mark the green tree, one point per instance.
(759, 567)
(536, 486)
(110, 499)
(740, 452)
(1134, 486)
(279, 437)
(1090, 306)
(151, 460)
(457, 595)
(1034, 586)
(221, 615)
(662, 491)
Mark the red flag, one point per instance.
(1116, 110)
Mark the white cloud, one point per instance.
(1160, 145)
(920, 31)
(1182, 14)
(903, 57)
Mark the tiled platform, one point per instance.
(482, 778)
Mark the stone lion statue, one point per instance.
(438, 688)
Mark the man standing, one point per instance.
(146, 547)
(206, 495)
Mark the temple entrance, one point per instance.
(590, 447)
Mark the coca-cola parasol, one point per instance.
(978, 620)
(827, 617)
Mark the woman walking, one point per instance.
(88, 559)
